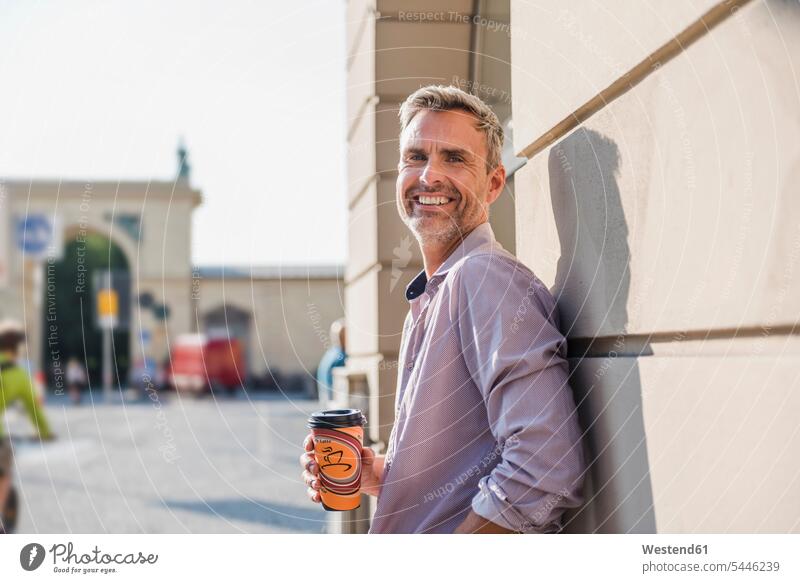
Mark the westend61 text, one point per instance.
(670, 550)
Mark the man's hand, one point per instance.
(475, 524)
(371, 471)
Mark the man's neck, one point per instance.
(435, 254)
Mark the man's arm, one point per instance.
(517, 358)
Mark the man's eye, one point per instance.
(418, 157)
(455, 159)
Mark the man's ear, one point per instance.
(497, 181)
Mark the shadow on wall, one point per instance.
(592, 287)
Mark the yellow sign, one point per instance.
(107, 303)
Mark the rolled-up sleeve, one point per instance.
(517, 358)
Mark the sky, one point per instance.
(105, 90)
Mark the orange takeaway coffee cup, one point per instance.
(338, 439)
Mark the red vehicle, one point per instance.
(199, 364)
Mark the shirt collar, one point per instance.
(480, 236)
(417, 286)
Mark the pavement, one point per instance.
(169, 464)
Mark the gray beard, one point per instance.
(445, 234)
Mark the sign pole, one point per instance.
(108, 309)
(107, 364)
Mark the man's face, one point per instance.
(443, 187)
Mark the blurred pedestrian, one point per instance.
(15, 385)
(76, 379)
(334, 357)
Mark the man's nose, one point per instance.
(431, 174)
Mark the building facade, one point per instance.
(55, 234)
(655, 199)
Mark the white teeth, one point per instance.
(433, 199)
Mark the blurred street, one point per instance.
(177, 465)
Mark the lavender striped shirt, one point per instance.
(484, 415)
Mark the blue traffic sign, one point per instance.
(34, 233)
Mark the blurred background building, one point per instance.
(653, 193)
(61, 235)
(233, 287)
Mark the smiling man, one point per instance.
(486, 437)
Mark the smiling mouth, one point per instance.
(431, 200)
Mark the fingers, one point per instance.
(313, 495)
(312, 486)
(309, 463)
(311, 480)
(367, 456)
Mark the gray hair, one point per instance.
(446, 98)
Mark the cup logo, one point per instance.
(31, 556)
(339, 458)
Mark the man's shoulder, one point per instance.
(494, 263)
(500, 271)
